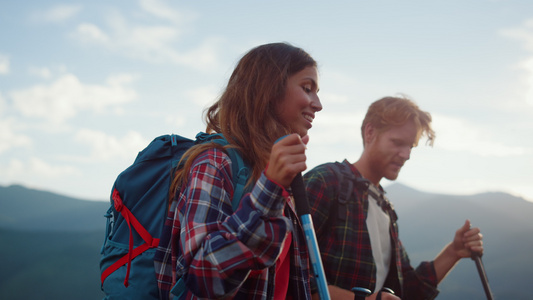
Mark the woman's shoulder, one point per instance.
(214, 156)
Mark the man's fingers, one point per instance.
(462, 231)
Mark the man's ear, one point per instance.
(369, 133)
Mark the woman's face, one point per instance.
(300, 103)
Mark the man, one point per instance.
(356, 225)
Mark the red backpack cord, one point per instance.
(149, 241)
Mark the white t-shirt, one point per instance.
(378, 223)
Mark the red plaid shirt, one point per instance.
(345, 243)
(218, 253)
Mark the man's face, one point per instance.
(389, 150)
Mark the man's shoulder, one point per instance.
(323, 170)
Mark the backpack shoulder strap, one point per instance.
(346, 179)
(240, 172)
(243, 173)
(239, 169)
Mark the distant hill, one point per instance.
(428, 221)
(50, 265)
(51, 243)
(26, 209)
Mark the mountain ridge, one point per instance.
(52, 237)
(29, 209)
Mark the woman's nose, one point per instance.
(316, 104)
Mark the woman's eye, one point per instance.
(307, 89)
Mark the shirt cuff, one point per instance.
(268, 196)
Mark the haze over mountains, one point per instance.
(428, 221)
(51, 243)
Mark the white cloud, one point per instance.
(523, 34)
(528, 66)
(203, 57)
(88, 32)
(4, 64)
(44, 73)
(67, 96)
(17, 169)
(40, 167)
(3, 104)
(152, 43)
(460, 136)
(176, 121)
(161, 10)
(152, 39)
(203, 96)
(57, 13)
(9, 137)
(104, 147)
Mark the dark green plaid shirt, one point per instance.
(345, 243)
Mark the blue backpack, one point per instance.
(139, 206)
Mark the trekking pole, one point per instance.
(481, 270)
(302, 207)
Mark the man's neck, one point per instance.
(364, 169)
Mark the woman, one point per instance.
(257, 251)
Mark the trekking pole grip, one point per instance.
(303, 211)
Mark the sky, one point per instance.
(86, 85)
